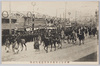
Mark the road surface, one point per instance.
(69, 52)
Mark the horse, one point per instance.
(21, 40)
(15, 47)
(86, 31)
(47, 42)
(11, 41)
(90, 31)
(58, 38)
(62, 36)
(81, 35)
(94, 30)
(73, 37)
(48, 39)
(68, 33)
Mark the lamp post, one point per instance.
(33, 4)
(69, 16)
(33, 16)
(10, 16)
(96, 17)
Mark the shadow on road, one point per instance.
(92, 57)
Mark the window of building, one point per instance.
(12, 31)
(13, 20)
(5, 20)
(5, 32)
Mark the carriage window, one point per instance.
(5, 20)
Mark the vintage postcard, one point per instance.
(50, 32)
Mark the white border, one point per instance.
(42, 0)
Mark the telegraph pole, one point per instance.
(60, 16)
(96, 17)
(10, 16)
(65, 9)
(56, 12)
(33, 4)
(75, 15)
(63, 15)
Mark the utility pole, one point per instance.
(75, 16)
(60, 16)
(65, 10)
(56, 12)
(96, 17)
(63, 15)
(69, 16)
(10, 17)
(33, 4)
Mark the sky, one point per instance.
(53, 8)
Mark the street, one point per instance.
(69, 52)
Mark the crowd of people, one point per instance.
(50, 37)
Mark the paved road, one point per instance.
(69, 52)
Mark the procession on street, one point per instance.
(27, 30)
(51, 37)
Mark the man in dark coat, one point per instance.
(94, 30)
(81, 35)
(90, 31)
(36, 45)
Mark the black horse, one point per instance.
(94, 30)
(80, 35)
(21, 40)
(50, 39)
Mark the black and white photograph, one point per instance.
(50, 32)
